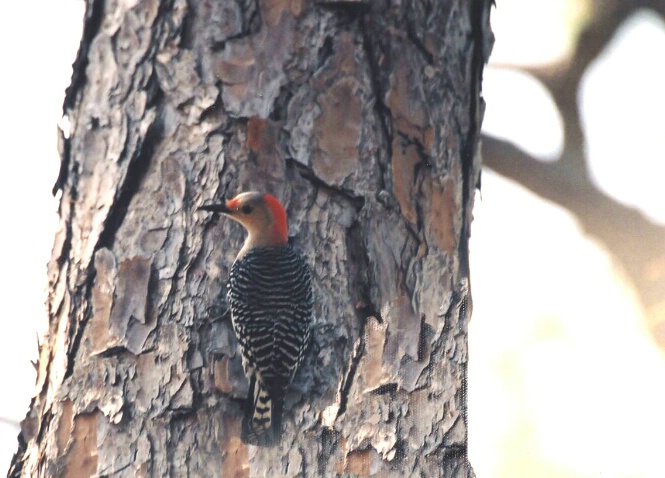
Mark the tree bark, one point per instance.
(363, 118)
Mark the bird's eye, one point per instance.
(246, 209)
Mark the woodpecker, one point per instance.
(270, 294)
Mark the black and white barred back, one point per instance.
(270, 294)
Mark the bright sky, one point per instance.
(555, 333)
(38, 42)
(628, 157)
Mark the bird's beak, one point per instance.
(223, 208)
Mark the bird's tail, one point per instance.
(262, 425)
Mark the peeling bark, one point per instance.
(363, 117)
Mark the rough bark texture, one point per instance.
(363, 117)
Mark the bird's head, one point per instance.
(261, 214)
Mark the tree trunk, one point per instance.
(363, 117)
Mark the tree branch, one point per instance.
(636, 242)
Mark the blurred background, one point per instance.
(567, 340)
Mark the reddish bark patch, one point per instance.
(65, 425)
(81, 459)
(373, 375)
(263, 143)
(440, 220)
(255, 129)
(337, 131)
(360, 463)
(274, 9)
(102, 299)
(221, 375)
(235, 453)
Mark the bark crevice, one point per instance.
(381, 110)
(348, 377)
(136, 171)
